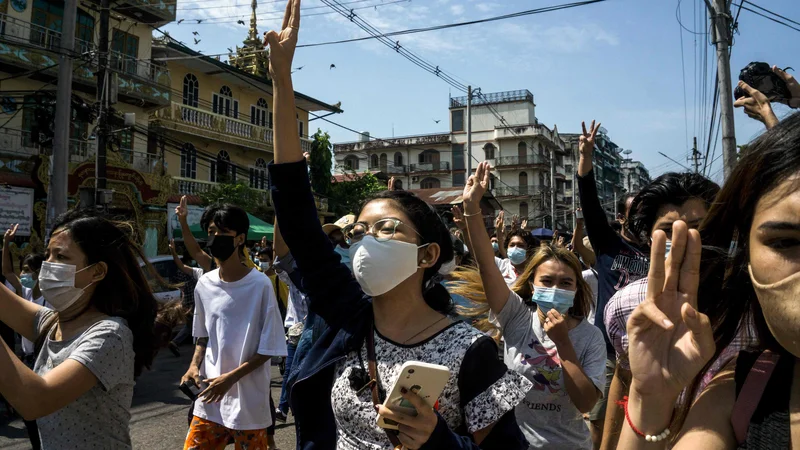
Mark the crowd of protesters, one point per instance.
(671, 326)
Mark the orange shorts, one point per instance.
(205, 435)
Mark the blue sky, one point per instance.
(618, 62)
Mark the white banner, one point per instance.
(16, 206)
(195, 212)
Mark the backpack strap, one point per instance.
(750, 395)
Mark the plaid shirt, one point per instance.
(623, 303)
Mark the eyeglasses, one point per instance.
(383, 230)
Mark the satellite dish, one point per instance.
(627, 152)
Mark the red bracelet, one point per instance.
(648, 437)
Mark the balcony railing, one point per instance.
(441, 166)
(29, 35)
(511, 161)
(388, 168)
(81, 151)
(518, 191)
(142, 69)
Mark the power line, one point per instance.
(770, 12)
(223, 20)
(768, 17)
(683, 72)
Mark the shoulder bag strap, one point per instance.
(751, 392)
(375, 382)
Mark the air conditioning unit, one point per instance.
(415, 179)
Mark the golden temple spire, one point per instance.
(253, 36)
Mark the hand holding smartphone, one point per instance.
(425, 380)
(192, 390)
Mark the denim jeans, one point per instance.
(283, 405)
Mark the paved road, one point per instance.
(159, 413)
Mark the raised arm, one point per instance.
(181, 266)
(332, 291)
(202, 258)
(597, 227)
(494, 285)
(587, 255)
(8, 263)
(500, 232)
(461, 223)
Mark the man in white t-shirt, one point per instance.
(238, 329)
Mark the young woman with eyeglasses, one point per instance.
(392, 299)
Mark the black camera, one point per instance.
(759, 76)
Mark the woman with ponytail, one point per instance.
(93, 343)
(392, 303)
(542, 319)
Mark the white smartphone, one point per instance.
(579, 214)
(426, 380)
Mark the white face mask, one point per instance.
(57, 283)
(380, 266)
(448, 267)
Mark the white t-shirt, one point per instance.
(197, 272)
(240, 319)
(297, 307)
(507, 269)
(590, 277)
(27, 294)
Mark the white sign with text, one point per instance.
(16, 206)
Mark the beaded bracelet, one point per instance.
(648, 437)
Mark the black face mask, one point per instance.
(221, 247)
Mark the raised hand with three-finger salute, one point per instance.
(586, 148)
(669, 340)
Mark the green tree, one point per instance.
(347, 196)
(239, 194)
(321, 163)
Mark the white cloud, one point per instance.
(457, 10)
(486, 7)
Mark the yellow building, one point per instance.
(218, 127)
(30, 36)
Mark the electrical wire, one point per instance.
(768, 17)
(224, 19)
(683, 72)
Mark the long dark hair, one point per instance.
(125, 291)
(672, 188)
(726, 293)
(433, 230)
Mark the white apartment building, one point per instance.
(417, 162)
(634, 175)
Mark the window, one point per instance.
(429, 157)
(459, 179)
(126, 145)
(224, 104)
(373, 162)
(568, 185)
(542, 179)
(522, 150)
(259, 113)
(351, 162)
(457, 151)
(523, 210)
(523, 178)
(258, 175)
(430, 183)
(301, 128)
(191, 90)
(559, 160)
(488, 150)
(125, 51)
(398, 185)
(541, 149)
(457, 120)
(49, 16)
(398, 159)
(384, 162)
(188, 161)
(222, 171)
(270, 121)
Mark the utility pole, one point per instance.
(553, 187)
(57, 192)
(721, 22)
(696, 157)
(102, 97)
(469, 131)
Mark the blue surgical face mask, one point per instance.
(27, 280)
(345, 254)
(553, 298)
(495, 247)
(517, 255)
